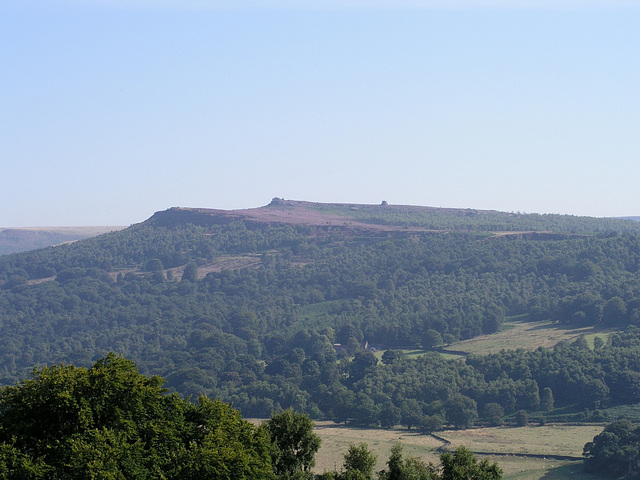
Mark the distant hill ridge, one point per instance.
(382, 217)
(14, 240)
(387, 217)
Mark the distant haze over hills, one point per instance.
(14, 240)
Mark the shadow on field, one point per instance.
(567, 472)
(582, 329)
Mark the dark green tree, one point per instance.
(614, 312)
(430, 423)
(462, 411)
(598, 343)
(401, 468)
(111, 422)
(389, 415)
(431, 339)
(190, 272)
(390, 356)
(546, 399)
(532, 395)
(463, 465)
(522, 419)
(295, 444)
(411, 413)
(359, 463)
(361, 364)
(365, 411)
(494, 413)
(614, 452)
(154, 265)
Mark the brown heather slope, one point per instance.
(288, 212)
(297, 213)
(325, 215)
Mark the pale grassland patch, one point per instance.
(566, 440)
(229, 262)
(525, 335)
(516, 334)
(337, 438)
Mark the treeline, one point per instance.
(263, 335)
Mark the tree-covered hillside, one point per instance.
(248, 306)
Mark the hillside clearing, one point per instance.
(516, 334)
(525, 335)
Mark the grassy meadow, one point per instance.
(565, 440)
(526, 335)
(516, 333)
(548, 440)
(337, 438)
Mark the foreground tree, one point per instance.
(111, 422)
(359, 463)
(295, 444)
(463, 465)
(411, 468)
(459, 465)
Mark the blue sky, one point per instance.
(111, 110)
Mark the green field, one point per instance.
(517, 333)
(629, 412)
(526, 335)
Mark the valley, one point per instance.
(410, 320)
